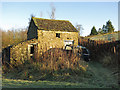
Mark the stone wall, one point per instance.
(20, 52)
(48, 39)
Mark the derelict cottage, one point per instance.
(42, 35)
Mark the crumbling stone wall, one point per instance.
(19, 52)
(48, 39)
(45, 41)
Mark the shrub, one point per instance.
(52, 62)
(103, 51)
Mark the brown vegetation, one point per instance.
(57, 64)
(11, 37)
(99, 50)
(52, 62)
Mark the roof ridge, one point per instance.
(49, 19)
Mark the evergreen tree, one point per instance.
(109, 26)
(104, 29)
(93, 31)
(100, 31)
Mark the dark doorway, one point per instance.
(32, 49)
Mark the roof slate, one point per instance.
(54, 25)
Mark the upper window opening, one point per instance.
(58, 35)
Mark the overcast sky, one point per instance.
(88, 14)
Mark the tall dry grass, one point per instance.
(53, 61)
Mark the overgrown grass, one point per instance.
(58, 70)
(52, 62)
(96, 76)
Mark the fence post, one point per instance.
(114, 49)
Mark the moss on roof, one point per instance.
(54, 25)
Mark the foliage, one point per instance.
(109, 26)
(104, 30)
(100, 31)
(93, 78)
(107, 59)
(57, 65)
(107, 53)
(101, 50)
(54, 61)
(11, 37)
(93, 31)
(106, 37)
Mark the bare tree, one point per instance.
(79, 28)
(52, 13)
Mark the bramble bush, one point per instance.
(103, 51)
(52, 62)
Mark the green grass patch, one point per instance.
(10, 83)
(96, 76)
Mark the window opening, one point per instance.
(58, 35)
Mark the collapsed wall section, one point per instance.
(19, 52)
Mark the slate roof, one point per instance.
(54, 25)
